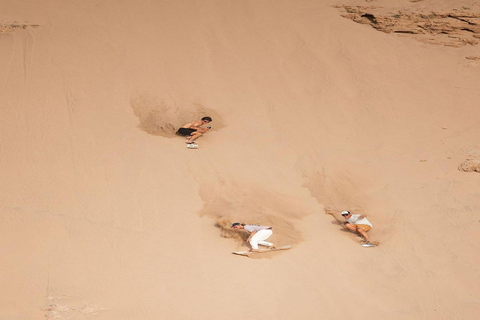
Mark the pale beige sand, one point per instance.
(106, 215)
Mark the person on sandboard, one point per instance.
(193, 130)
(358, 223)
(257, 235)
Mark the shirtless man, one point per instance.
(194, 130)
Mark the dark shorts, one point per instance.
(185, 131)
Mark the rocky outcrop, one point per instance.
(455, 28)
(470, 165)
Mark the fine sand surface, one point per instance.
(106, 215)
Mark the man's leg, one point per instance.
(260, 237)
(254, 244)
(363, 233)
(350, 227)
(194, 136)
(359, 229)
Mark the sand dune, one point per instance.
(106, 215)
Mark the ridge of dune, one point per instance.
(106, 215)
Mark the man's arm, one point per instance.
(197, 126)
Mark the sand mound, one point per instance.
(251, 205)
(159, 118)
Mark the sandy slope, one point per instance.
(106, 215)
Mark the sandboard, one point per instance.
(247, 253)
(368, 245)
(192, 146)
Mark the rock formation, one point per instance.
(470, 165)
(456, 28)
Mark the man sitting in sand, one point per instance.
(357, 223)
(258, 235)
(193, 130)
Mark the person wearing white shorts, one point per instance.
(257, 235)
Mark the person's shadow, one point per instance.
(342, 228)
(339, 223)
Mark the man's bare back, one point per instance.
(194, 125)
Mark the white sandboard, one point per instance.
(192, 146)
(247, 253)
(369, 245)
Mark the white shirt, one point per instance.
(254, 227)
(355, 219)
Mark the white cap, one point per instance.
(344, 213)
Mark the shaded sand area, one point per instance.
(106, 215)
